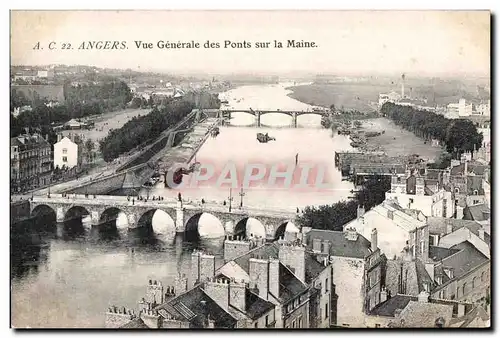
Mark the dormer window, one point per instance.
(457, 190)
(475, 192)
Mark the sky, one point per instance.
(348, 42)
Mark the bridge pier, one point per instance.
(294, 116)
(179, 219)
(257, 114)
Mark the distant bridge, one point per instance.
(184, 215)
(258, 113)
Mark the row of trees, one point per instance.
(80, 102)
(459, 135)
(335, 216)
(143, 128)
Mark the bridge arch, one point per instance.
(204, 224)
(114, 217)
(45, 218)
(250, 227)
(284, 227)
(76, 212)
(157, 222)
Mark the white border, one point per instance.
(146, 4)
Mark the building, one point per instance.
(295, 280)
(357, 267)
(422, 311)
(393, 223)
(69, 151)
(30, 162)
(413, 191)
(460, 109)
(483, 108)
(456, 267)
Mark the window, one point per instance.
(293, 324)
(299, 325)
(483, 276)
(257, 325)
(267, 320)
(65, 150)
(65, 159)
(464, 288)
(475, 192)
(422, 247)
(411, 200)
(377, 326)
(457, 190)
(326, 310)
(474, 282)
(326, 286)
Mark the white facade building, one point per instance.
(460, 109)
(66, 153)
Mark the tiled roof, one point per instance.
(256, 306)
(389, 307)
(433, 174)
(475, 183)
(407, 271)
(136, 323)
(424, 314)
(465, 260)
(437, 225)
(290, 286)
(27, 142)
(197, 302)
(339, 245)
(313, 268)
(268, 250)
(479, 212)
(437, 253)
(475, 167)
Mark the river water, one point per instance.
(69, 281)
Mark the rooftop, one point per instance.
(196, 307)
(465, 260)
(340, 246)
(437, 225)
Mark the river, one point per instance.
(70, 281)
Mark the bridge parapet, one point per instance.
(179, 212)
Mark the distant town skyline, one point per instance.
(356, 43)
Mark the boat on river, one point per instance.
(264, 138)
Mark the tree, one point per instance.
(89, 147)
(335, 216)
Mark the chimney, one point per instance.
(326, 247)
(59, 137)
(403, 86)
(360, 211)
(46, 137)
(258, 272)
(317, 244)
(423, 297)
(351, 234)
(154, 292)
(374, 244)
(449, 226)
(294, 256)
(237, 295)
(383, 295)
(461, 310)
(466, 167)
(274, 277)
(181, 284)
(481, 234)
(218, 290)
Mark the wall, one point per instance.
(100, 186)
(300, 313)
(373, 279)
(471, 294)
(429, 205)
(326, 290)
(71, 154)
(391, 237)
(19, 210)
(373, 321)
(261, 321)
(348, 276)
(235, 248)
(464, 234)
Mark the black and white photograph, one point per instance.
(250, 169)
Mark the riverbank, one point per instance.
(396, 141)
(349, 96)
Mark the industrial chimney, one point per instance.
(403, 86)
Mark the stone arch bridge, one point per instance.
(103, 208)
(258, 113)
